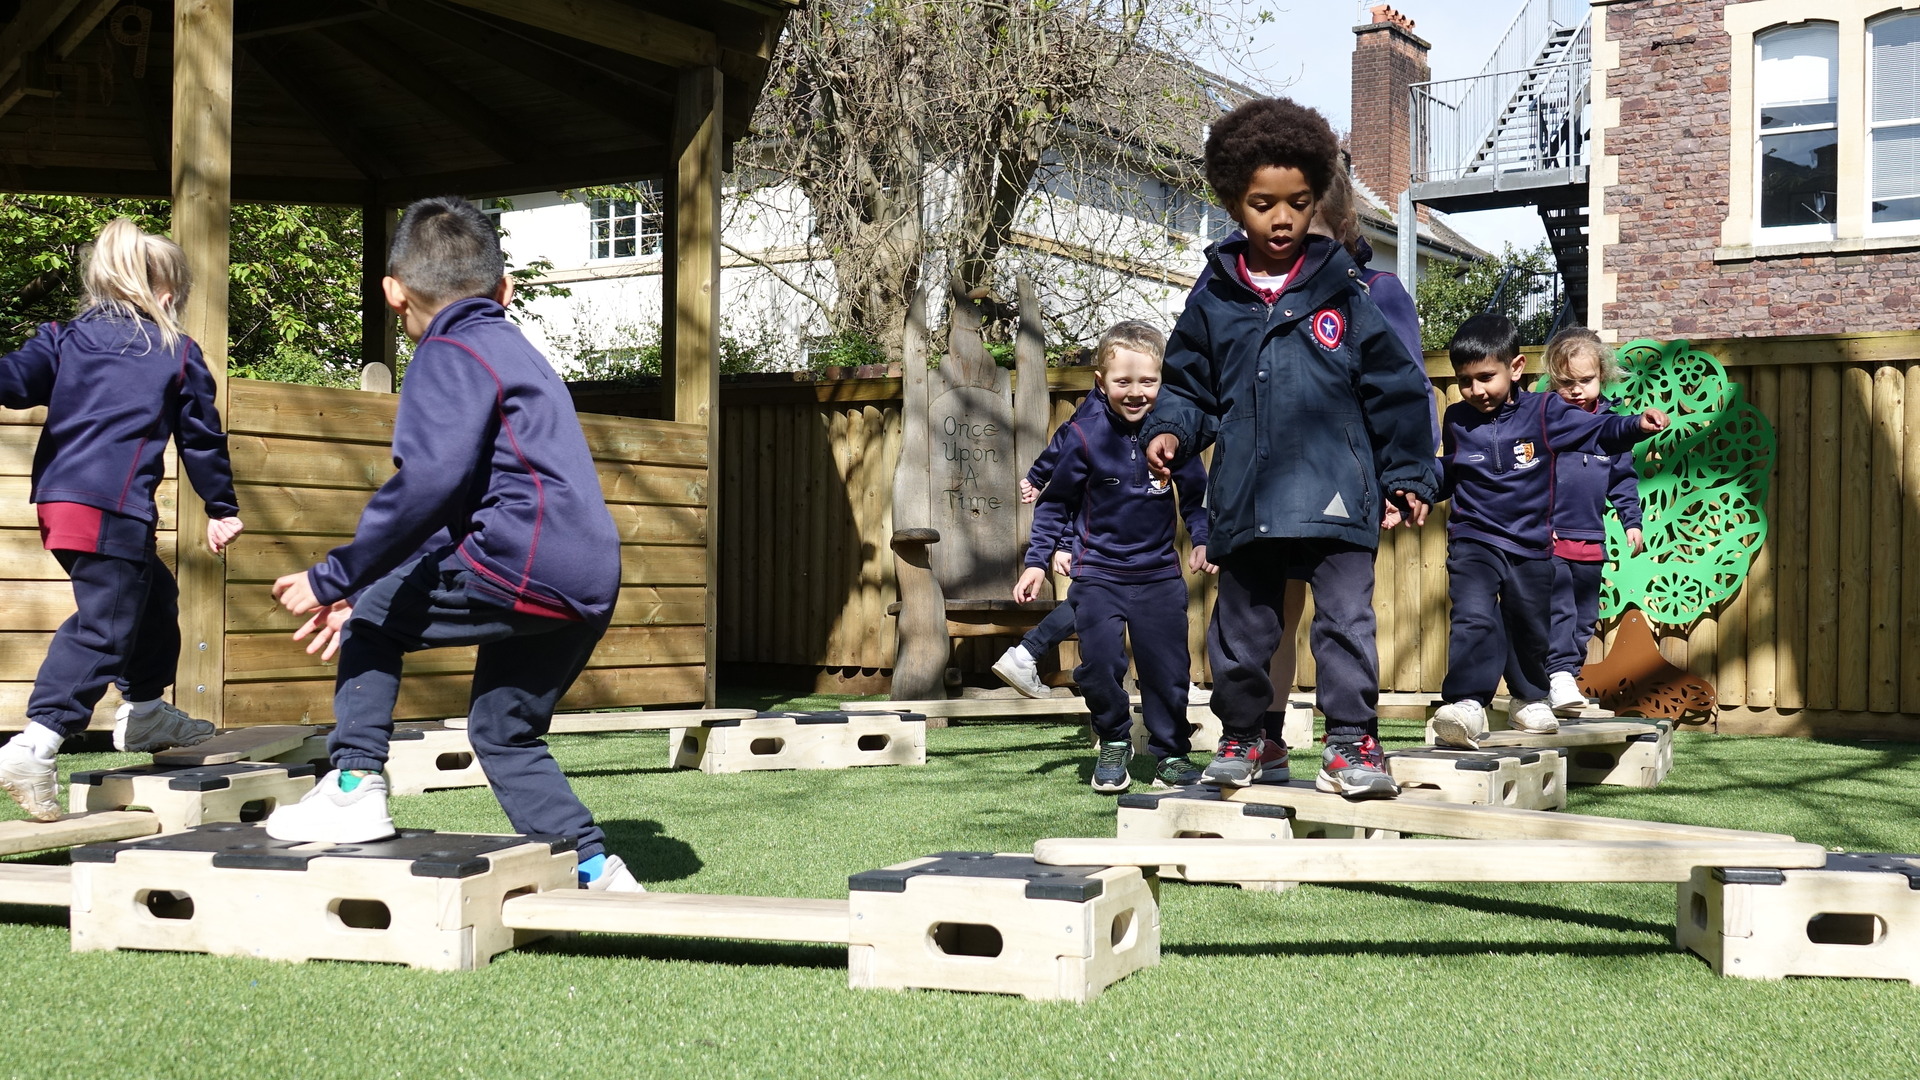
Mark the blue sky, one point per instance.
(1306, 52)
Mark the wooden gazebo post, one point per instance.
(377, 328)
(202, 202)
(691, 288)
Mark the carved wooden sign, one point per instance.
(971, 465)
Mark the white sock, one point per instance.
(143, 709)
(39, 740)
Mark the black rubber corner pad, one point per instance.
(1872, 862)
(1748, 875)
(1072, 883)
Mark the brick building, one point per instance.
(1756, 167)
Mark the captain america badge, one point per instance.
(1329, 328)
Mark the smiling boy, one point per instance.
(1320, 418)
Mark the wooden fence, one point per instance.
(305, 461)
(1824, 637)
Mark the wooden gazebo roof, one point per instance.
(366, 102)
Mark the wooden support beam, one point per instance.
(202, 206)
(154, 184)
(613, 25)
(292, 16)
(379, 334)
(1431, 860)
(29, 29)
(690, 352)
(408, 75)
(282, 69)
(609, 168)
(78, 25)
(750, 918)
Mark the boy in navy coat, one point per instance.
(492, 533)
(1320, 417)
(1497, 453)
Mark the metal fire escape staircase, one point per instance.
(1516, 134)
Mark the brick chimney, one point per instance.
(1387, 58)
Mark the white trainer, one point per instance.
(161, 727)
(1532, 717)
(1563, 694)
(1460, 724)
(616, 878)
(33, 783)
(1018, 669)
(328, 815)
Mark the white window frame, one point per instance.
(1793, 234)
(1869, 226)
(649, 225)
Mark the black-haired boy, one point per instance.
(1496, 455)
(1321, 417)
(492, 533)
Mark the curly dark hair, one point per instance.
(1270, 131)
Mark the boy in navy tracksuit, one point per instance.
(1497, 448)
(1322, 418)
(492, 533)
(1126, 573)
(118, 382)
(1019, 666)
(1579, 368)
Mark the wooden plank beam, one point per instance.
(411, 77)
(752, 918)
(1431, 860)
(614, 25)
(21, 837)
(690, 347)
(42, 886)
(278, 65)
(202, 206)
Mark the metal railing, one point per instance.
(1525, 114)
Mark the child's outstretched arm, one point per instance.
(1397, 398)
(1059, 504)
(203, 448)
(26, 374)
(1179, 427)
(1624, 494)
(1571, 429)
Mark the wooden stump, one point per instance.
(920, 659)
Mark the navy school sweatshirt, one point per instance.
(114, 395)
(1585, 484)
(1123, 519)
(1498, 467)
(488, 447)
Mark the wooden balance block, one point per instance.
(421, 757)
(424, 899)
(196, 795)
(1621, 753)
(1199, 812)
(999, 924)
(1507, 776)
(1203, 727)
(795, 740)
(1858, 918)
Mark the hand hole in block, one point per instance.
(1550, 787)
(689, 745)
(453, 762)
(1125, 930)
(766, 747)
(361, 914)
(1190, 834)
(874, 742)
(1846, 928)
(258, 809)
(165, 903)
(1594, 759)
(1697, 909)
(1506, 792)
(966, 939)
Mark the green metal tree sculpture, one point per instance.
(1703, 486)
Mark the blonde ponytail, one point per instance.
(127, 272)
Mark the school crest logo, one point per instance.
(1524, 456)
(1329, 328)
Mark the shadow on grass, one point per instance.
(996, 751)
(33, 915)
(1397, 949)
(757, 954)
(1513, 908)
(652, 855)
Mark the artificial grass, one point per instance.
(1383, 981)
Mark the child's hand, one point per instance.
(295, 593)
(1160, 454)
(1653, 420)
(1635, 542)
(1391, 517)
(1063, 563)
(325, 626)
(1415, 512)
(221, 531)
(1028, 492)
(1197, 560)
(1028, 587)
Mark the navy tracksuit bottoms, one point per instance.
(1247, 625)
(1052, 630)
(1154, 615)
(1501, 605)
(125, 630)
(1576, 610)
(525, 663)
